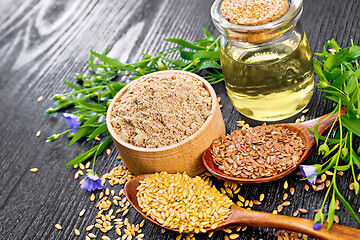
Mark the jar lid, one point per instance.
(253, 12)
(255, 21)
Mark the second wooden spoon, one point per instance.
(241, 216)
(303, 133)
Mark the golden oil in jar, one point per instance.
(270, 82)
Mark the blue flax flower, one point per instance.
(92, 182)
(72, 121)
(308, 171)
(317, 225)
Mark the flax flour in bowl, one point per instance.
(164, 121)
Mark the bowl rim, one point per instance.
(173, 146)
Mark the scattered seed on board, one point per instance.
(81, 213)
(340, 173)
(261, 197)
(296, 213)
(327, 183)
(91, 235)
(305, 110)
(88, 228)
(274, 212)
(34, 170)
(87, 165)
(319, 187)
(351, 186)
(38, 133)
(92, 197)
(303, 210)
(336, 219)
(81, 166)
(82, 181)
(105, 238)
(285, 196)
(280, 208)
(306, 187)
(77, 232)
(40, 98)
(292, 191)
(233, 236)
(108, 151)
(241, 198)
(297, 120)
(286, 185)
(58, 226)
(286, 203)
(302, 119)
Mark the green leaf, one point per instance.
(356, 159)
(319, 72)
(81, 158)
(176, 62)
(83, 130)
(336, 96)
(339, 81)
(336, 72)
(351, 85)
(346, 205)
(334, 45)
(74, 86)
(352, 124)
(334, 61)
(342, 168)
(331, 211)
(356, 186)
(111, 61)
(184, 43)
(209, 64)
(187, 55)
(103, 146)
(206, 55)
(354, 52)
(208, 34)
(101, 129)
(95, 107)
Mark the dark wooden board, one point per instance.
(43, 42)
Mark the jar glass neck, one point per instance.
(258, 33)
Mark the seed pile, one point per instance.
(180, 202)
(161, 110)
(257, 152)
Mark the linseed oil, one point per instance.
(269, 82)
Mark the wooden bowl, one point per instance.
(179, 157)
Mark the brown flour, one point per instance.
(161, 110)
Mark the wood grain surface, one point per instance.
(43, 42)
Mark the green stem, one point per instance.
(196, 61)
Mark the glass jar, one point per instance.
(267, 68)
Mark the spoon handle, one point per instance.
(259, 219)
(324, 125)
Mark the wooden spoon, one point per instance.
(299, 128)
(241, 216)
